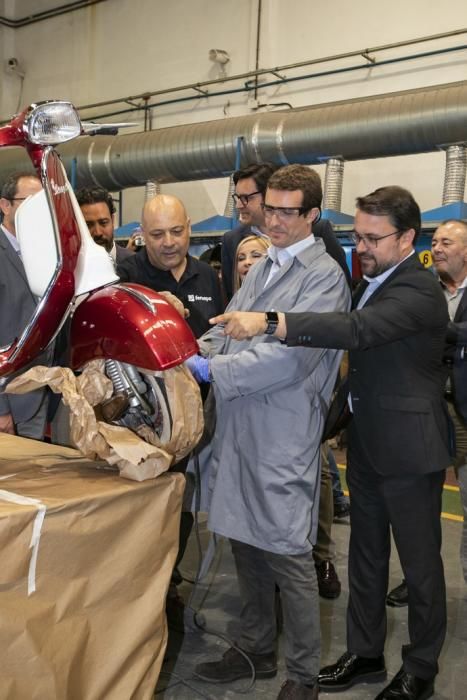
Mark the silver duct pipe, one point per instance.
(152, 187)
(229, 203)
(455, 173)
(333, 181)
(415, 121)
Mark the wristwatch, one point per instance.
(272, 321)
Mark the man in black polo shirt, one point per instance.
(164, 263)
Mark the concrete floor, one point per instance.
(218, 598)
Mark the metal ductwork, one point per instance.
(415, 121)
(455, 174)
(333, 182)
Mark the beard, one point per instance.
(371, 267)
(104, 242)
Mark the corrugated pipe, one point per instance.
(454, 176)
(229, 209)
(333, 181)
(415, 121)
(151, 189)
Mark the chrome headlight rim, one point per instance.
(46, 108)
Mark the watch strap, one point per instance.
(272, 321)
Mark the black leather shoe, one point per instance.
(233, 666)
(341, 511)
(349, 670)
(292, 690)
(399, 596)
(329, 585)
(405, 686)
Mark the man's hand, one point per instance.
(6, 424)
(246, 324)
(175, 301)
(134, 241)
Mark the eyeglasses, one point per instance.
(370, 240)
(284, 213)
(244, 198)
(17, 199)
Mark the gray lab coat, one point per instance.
(271, 403)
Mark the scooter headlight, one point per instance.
(51, 123)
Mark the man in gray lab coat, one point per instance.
(271, 405)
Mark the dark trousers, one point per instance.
(186, 525)
(324, 547)
(411, 506)
(258, 573)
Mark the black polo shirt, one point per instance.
(198, 288)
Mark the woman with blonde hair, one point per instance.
(249, 251)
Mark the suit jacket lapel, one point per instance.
(357, 295)
(11, 255)
(462, 308)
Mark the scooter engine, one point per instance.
(139, 399)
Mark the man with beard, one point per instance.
(397, 440)
(98, 210)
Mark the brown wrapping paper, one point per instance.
(87, 620)
(137, 457)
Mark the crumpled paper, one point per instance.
(137, 456)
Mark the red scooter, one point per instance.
(136, 331)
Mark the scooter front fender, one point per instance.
(130, 323)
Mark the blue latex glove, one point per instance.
(200, 368)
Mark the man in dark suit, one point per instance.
(250, 188)
(398, 441)
(23, 414)
(449, 248)
(98, 211)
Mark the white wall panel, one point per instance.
(125, 47)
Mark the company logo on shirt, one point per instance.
(196, 297)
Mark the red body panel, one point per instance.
(114, 324)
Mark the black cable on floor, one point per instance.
(198, 618)
(183, 681)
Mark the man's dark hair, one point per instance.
(299, 177)
(397, 204)
(95, 195)
(260, 172)
(10, 186)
